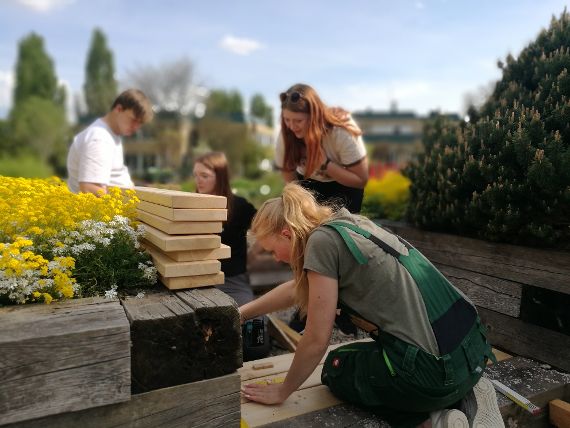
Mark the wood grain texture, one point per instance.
(186, 282)
(184, 214)
(208, 403)
(62, 357)
(559, 413)
(167, 242)
(184, 336)
(179, 199)
(179, 227)
(169, 268)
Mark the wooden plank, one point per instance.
(293, 335)
(181, 337)
(298, 403)
(223, 252)
(526, 339)
(184, 214)
(547, 269)
(167, 242)
(179, 199)
(559, 412)
(62, 357)
(185, 282)
(179, 227)
(212, 402)
(279, 335)
(169, 268)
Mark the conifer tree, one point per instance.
(35, 73)
(100, 85)
(506, 175)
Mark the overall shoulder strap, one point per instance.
(341, 226)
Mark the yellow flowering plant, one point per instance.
(386, 197)
(55, 244)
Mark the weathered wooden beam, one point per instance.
(549, 269)
(207, 403)
(526, 339)
(184, 336)
(62, 357)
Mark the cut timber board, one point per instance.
(178, 199)
(167, 242)
(207, 403)
(183, 282)
(184, 214)
(179, 227)
(559, 413)
(224, 252)
(169, 268)
(311, 396)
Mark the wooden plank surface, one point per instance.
(311, 396)
(559, 413)
(169, 268)
(547, 269)
(185, 282)
(223, 252)
(183, 336)
(212, 403)
(179, 199)
(62, 357)
(528, 340)
(184, 214)
(179, 227)
(167, 242)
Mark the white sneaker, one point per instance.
(449, 419)
(480, 406)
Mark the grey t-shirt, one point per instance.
(382, 291)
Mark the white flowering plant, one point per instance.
(108, 258)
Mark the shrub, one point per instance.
(386, 197)
(505, 176)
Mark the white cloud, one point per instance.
(240, 46)
(6, 89)
(420, 96)
(44, 5)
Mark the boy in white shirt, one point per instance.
(95, 160)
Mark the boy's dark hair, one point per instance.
(137, 101)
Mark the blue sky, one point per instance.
(422, 54)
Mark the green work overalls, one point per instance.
(395, 379)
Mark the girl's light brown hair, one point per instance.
(298, 210)
(301, 98)
(218, 164)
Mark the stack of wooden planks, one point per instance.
(181, 236)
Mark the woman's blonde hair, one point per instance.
(301, 98)
(298, 210)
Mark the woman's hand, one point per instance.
(272, 393)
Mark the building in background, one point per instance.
(393, 138)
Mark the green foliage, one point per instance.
(100, 84)
(226, 105)
(39, 127)
(35, 73)
(386, 197)
(505, 176)
(26, 166)
(259, 109)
